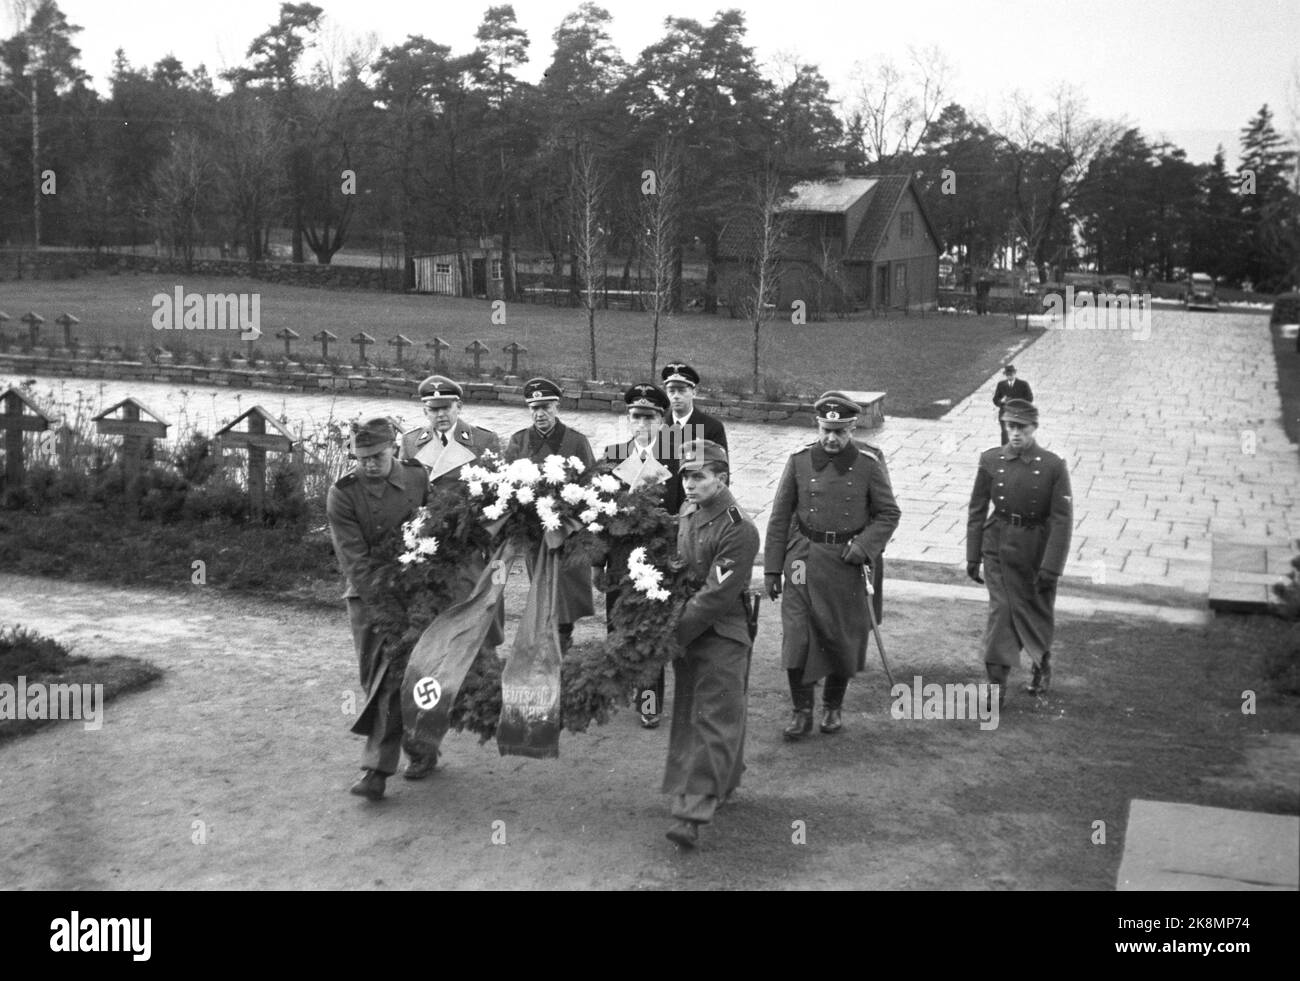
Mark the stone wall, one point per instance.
(297, 377)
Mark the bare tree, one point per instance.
(183, 190)
(251, 184)
(763, 226)
(895, 107)
(660, 218)
(587, 188)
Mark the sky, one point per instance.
(1191, 71)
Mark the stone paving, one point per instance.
(1171, 434)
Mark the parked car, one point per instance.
(1083, 282)
(1286, 316)
(1200, 294)
(1119, 285)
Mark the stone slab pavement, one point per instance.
(1172, 434)
(1189, 847)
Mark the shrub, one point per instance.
(196, 459)
(25, 652)
(220, 498)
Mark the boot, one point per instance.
(1035, 680)
(801, 724)
(1045, 675)
(998, 675)
(832, 720)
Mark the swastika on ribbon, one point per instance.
(427, 693)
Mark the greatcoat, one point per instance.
(476, 439)
(706, 745)
(574, 588)
(824, 623)
(1028, 530)
(361, 513)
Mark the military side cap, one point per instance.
(647, 397)
(541, 390)
(370, 437)
(438, 391)
(679, 372)
(1018, 410)
(835, 410)
(698, 452)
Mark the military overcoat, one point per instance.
(1020, 520)
(706, 745)
(476, 439)
(824, 621)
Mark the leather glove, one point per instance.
(854, 554)
(973, 572)
(1045, 581)
(772, 580)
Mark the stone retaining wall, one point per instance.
(578, 395)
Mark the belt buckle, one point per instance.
(832, 537)
(1017, 520)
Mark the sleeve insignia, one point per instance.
(733, 513)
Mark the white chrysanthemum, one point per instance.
(572, 494)
(473, 473)
(475, 488)
(591, 495)
(660, 595)
(637, 557)
(553, 469)
(503, 493)
(525, 494)
(595, 528)
(550, 520)
(408, 558)
(428, 546)
(588, 516)
(608, 483)
(494, 511)
(577, 465)
(523, 471)
(607, 507)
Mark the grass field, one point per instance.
(925, 364)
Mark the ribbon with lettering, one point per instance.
(530, 682)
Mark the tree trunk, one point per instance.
(591, 330)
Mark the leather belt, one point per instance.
(1020, 520)
(828, 537)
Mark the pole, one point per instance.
(875, 629)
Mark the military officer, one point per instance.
(1023, 545)
(685, 423)
(833, 514)
(707, 741)
(547, 436)
(645, 458)
(430, 444)
(363, 506)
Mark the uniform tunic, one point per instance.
(476, 439)
(706, 745)
(824, 624)
(361, 512)
(698, 425)
(1035, 485)
(574, 588)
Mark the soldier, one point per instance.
(363, 506)
(645, 458)
(833, 514)
(1023, 545)
(432, 444)
(685, 423)
(1010, 388)
(547, 436)
(707, 742)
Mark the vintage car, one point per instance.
(1118, 284)
(1200, 294)
(1083, 282)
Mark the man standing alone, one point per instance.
(1010, 387)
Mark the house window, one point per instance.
(442, 268)
(905, 224)
(496, 268)
(900, 277)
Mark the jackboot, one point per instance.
(801, 724)
(1045, 675)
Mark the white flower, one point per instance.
(428, 546)
(408, 558)
(503, 493)
(475, 488)
(588, 516)
(577, 465)
(494, 511)
(637, 557)
(523, 471)
(660, 595)
(572, 494)
(591, 495)
(553, 469)
(607, 507)
(595, 528)
(545, 508)
(608, 483)
(474, 474)
(525, 495)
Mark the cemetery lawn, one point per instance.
(925, 364)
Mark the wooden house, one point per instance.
(477, 271)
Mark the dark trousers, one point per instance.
(803, 695)
(1003, 426)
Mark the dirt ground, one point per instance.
(232, 771)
